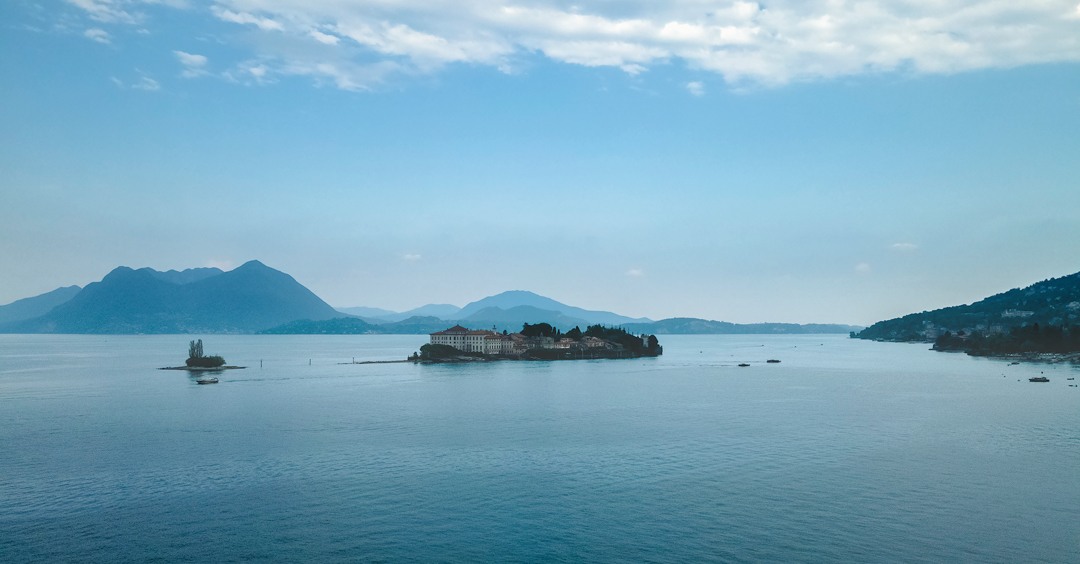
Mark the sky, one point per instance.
(827, 161)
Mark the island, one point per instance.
(198, 361)
(539, 341)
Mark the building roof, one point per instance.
(455, 330)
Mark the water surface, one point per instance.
(845, 451)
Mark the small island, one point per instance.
(198, 361)
(541, 341)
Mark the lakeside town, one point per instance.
(541, 341)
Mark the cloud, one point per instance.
(411, 257)
(695, 88)
(194, 65)
(144, 83)
(244, 18)
(324, 38)
(743, 42)
(863, 268)
(99, 35)
(904, 247)
(108, 11)
(356, 45)
(635, 273)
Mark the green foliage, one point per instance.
(1022, 339)
(440, 352)
(206, 362)
(539, 330)
(196, 357)
(195, 349)
(575, 333)
(992, 321)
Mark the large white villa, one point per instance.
(491, 342)
(472, 340)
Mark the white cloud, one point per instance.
(747, 43)
(194, 65)
(411, 257)
(244, 18)
(108, 11)
(695, 88)
(324, 38)
(863, 268)
(904, 247)
(635, 273)
(146, 83)
(98, 35)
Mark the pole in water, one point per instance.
(309, 362)
(260, 363)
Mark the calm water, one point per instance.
(846, 451)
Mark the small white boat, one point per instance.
(206, 381)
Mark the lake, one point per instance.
(846, 451)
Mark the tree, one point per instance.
(538, 330)
(195, 349)
(197, 359)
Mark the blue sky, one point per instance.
(785, 161)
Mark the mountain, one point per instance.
(369, 312)
(356, 326)
(513, 318)
(247, 299)
(382, 316)
(694, 326)
(516, 298)
(1054, 302)
(336, 326)
(29, 308)
(184, 276)
(442, 311)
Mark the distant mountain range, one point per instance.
(497, 309)
(1054, 302)
(29, 308)
(250, 298)
(254, 298)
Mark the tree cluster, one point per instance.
(197, 359)
(1026, 339)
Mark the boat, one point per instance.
(743, 364)
(206, 381)
(772, 361)
(1038, 379)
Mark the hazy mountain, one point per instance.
(336, 326)
(442, 311)
(513, 318)
(415, 325)
(694, 326)
(29, 308)
(383, 316)
(247, 299)
(516, 298)
(184, 276)
(1054, 302)
(356, 326)
(368, 312)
